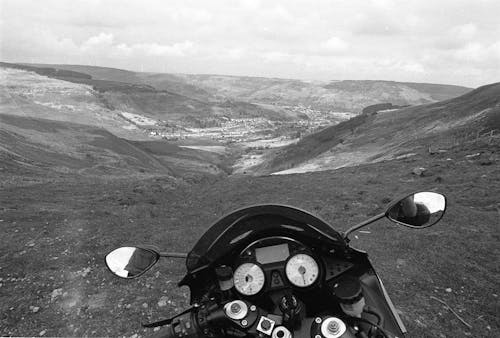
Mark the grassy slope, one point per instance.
(68, 147)
(161, 96)
(351, 95)
(168, 82)
(311, 145)
(31, 147)
(437, 92)
(348, 94)
(55, 236)
(437, 124)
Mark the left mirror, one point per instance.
(131, 262)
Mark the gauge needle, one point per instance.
(302, 271)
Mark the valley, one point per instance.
(248, 118)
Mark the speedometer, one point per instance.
(249, 279)
(302, 270)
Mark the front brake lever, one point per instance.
(167, 321)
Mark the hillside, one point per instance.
(166, 82)
(56, 234)
(392, 133)
(220, 112)
(348, 95)
(34, 149)
(38, 146)
(53, 127)
(127, 91)
(138, 111)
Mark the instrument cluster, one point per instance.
(275, 263)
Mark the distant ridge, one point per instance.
(344, 95)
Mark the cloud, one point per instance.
(479, 53)
(334, 45)
(464, 32)
(105, 43)
(457, 37)
(190, 14)
(275, 56)
(154, 49)
(102, 40)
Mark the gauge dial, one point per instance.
(302, 270)
(249, 279)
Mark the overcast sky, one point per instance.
(452, 41)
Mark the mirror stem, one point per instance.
(362, 224)
(173, 254)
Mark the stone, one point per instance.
(163, 301)
(486, 162)
(55, 293)
(472, 155)
(419, 171)
(400, 262)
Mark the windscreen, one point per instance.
(245, 225)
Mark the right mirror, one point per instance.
(418, 210)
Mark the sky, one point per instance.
(438, 41)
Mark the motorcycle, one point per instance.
(281, 272)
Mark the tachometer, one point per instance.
(249, 279)
(302, 270)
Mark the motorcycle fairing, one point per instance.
(241, 227)
(236, 227)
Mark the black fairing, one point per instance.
(243, 226)
(226, 238)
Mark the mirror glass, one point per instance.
(418, 210)
(130, 262)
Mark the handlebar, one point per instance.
(197, 322)
(165, 332)
(184, 325)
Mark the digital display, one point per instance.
(271, 254)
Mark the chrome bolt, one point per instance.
(317, 336)
(333, 327)
(317, 320)
(244, 322)
(235, 308)
(253, 308)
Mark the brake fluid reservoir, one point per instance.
(347, 290)
(225, 277)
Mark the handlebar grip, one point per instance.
(165, 332)
(183, 326)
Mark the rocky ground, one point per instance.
(56, 232)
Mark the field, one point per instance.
(53, 281)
